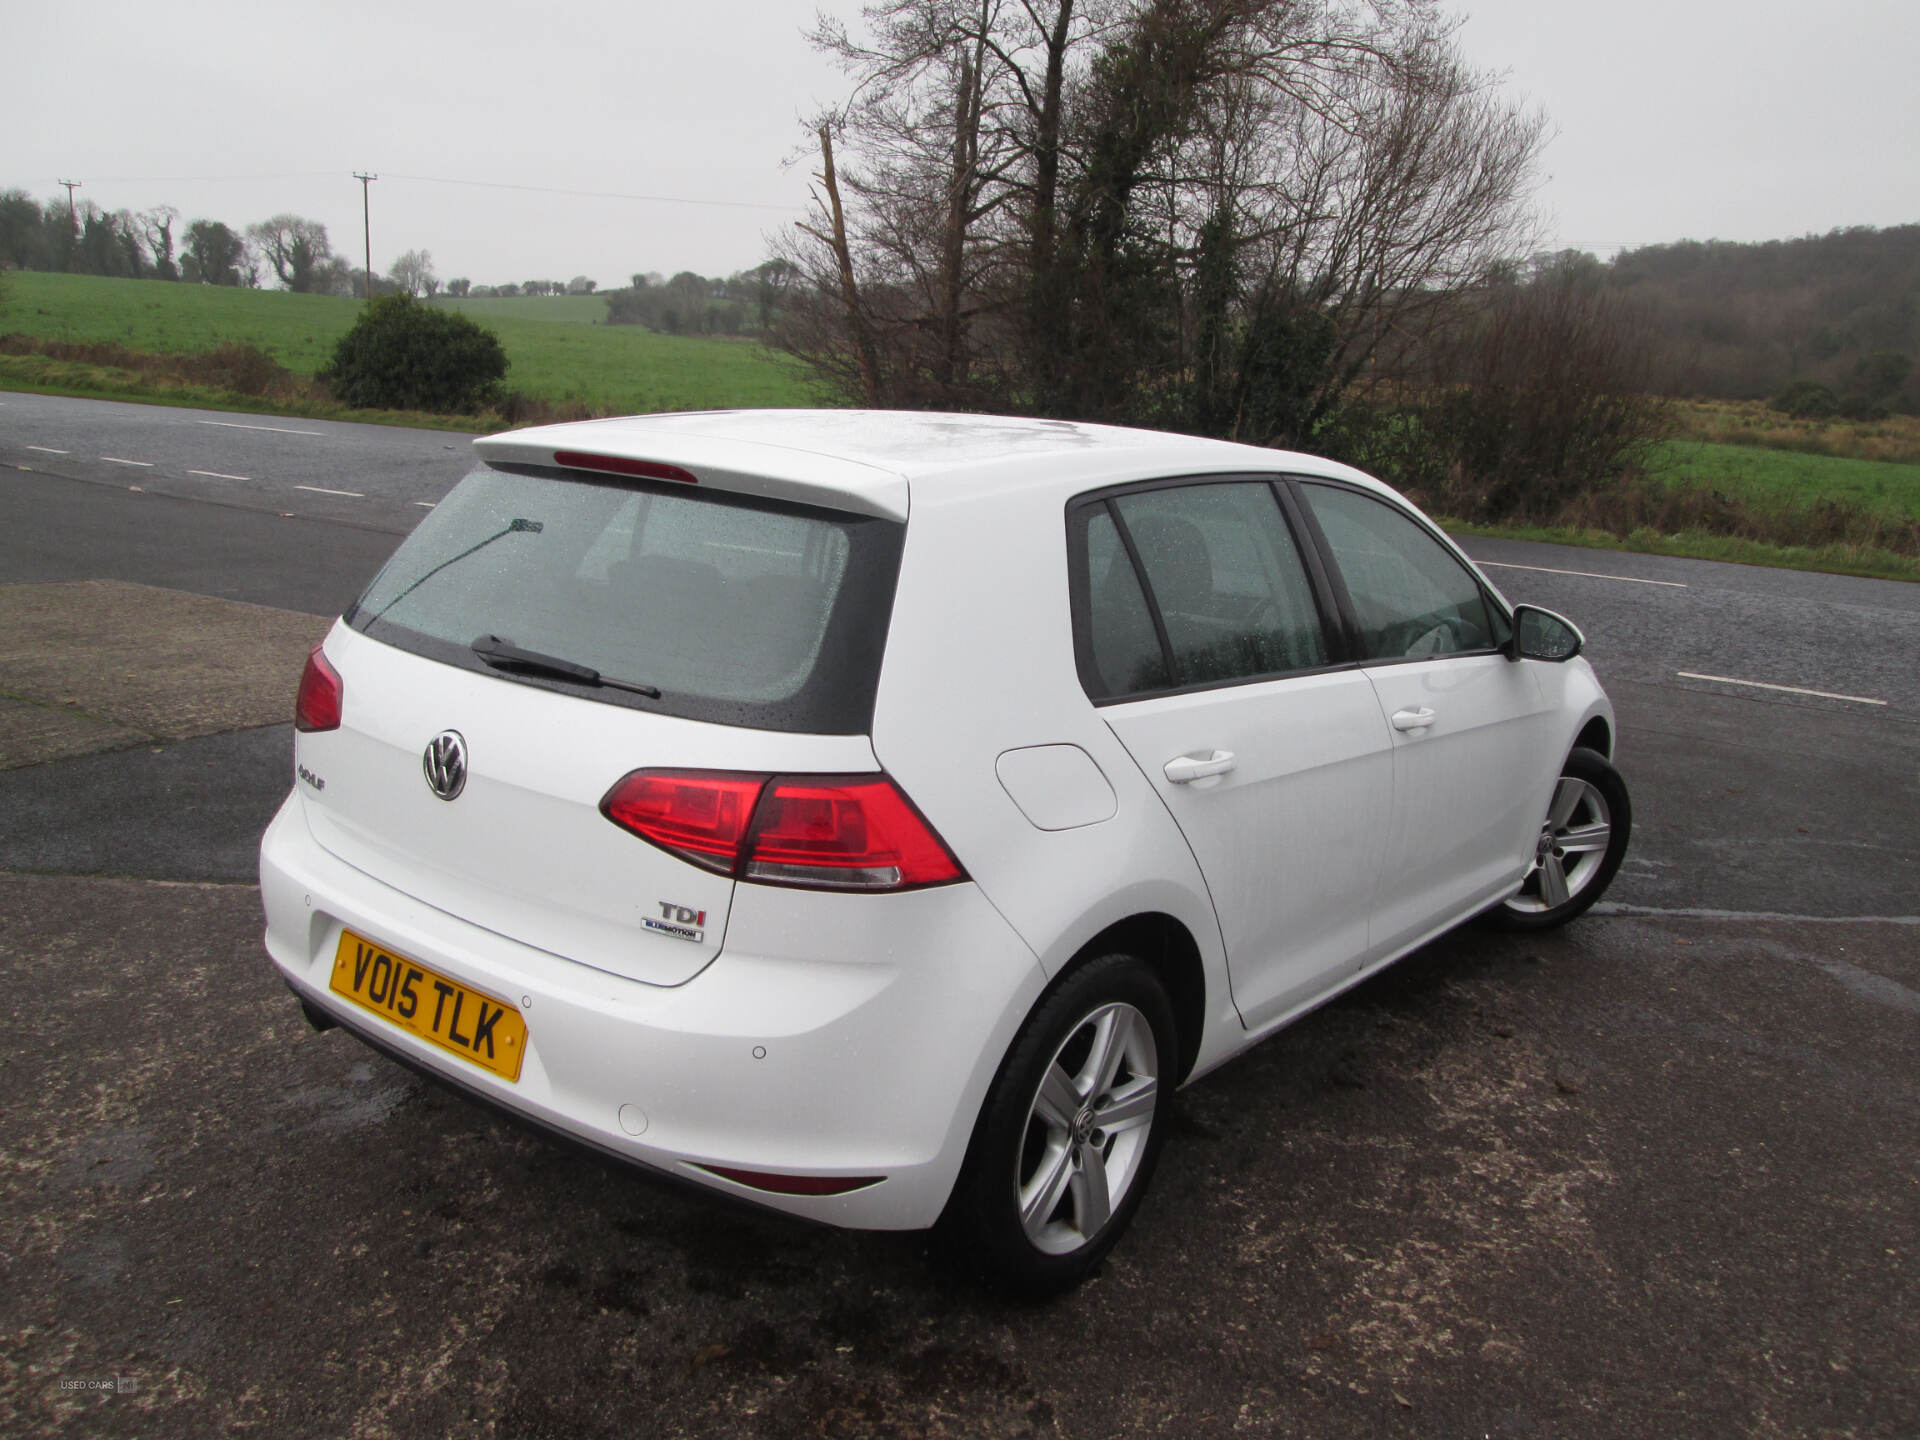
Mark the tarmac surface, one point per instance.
(1655, 1174)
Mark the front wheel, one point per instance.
(1581, 844)
(1069, 1134)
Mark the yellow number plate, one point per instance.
(476, 1027)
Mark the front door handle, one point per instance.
(1185, 769)
(1412, 719)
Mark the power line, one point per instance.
(439, 180)
(200, 179)
(593, 194)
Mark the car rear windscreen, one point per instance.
(736, 609)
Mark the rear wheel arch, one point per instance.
(1168, 949)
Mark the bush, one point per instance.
(243, 369)
(1880, 375)
(1862, 407)
(402, 355)
(1806, 400)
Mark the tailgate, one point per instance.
(522, 849)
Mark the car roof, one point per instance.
(876, 460)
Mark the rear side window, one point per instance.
(738, 610)
(1219, 593)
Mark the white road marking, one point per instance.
(116, 460)
(49, 450)
(322, 490)
(1585, 574)
(426, 504)
(276, 429)
(1788, 689)
(216, 475)
(1609, 907)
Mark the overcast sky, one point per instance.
(1737, 119)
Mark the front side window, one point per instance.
(737, 610)
(1412, 597)
(1219, 593)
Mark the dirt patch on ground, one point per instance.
(92, 665)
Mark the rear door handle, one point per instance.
(1412, 719)
(1185, 769)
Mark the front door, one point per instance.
(1464, 719)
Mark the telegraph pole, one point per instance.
(72, 185)
(366, 219)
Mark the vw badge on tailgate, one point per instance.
(445, 764)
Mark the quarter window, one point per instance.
(1126, 648)
(1412, 597)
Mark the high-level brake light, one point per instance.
(623, 465)
(833, 832)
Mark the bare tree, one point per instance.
(948, 97)
(859, 330)
(296, 249)
(413, 273)
(1163, 210)
(156, 225)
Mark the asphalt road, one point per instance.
(374, 476)
(1657, 1174)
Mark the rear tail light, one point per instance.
(699, 815)
(832, 832)
(321, 694)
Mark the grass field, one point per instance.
(611, 368)
(561, 355)
(1776, 478)
(563, 309)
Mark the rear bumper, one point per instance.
(834, 1035)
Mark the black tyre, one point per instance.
(1582, 842)
(1070, 1132)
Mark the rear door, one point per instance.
(1468, 726)
(1201, 640)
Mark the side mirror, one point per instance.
(1542, 635)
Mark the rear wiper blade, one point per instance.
(505, 655)
(519, 525)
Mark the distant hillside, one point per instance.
(1742, 321)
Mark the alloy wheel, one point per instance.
(1087, 1128)
(1572, 848)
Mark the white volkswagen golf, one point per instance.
(877, 816)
